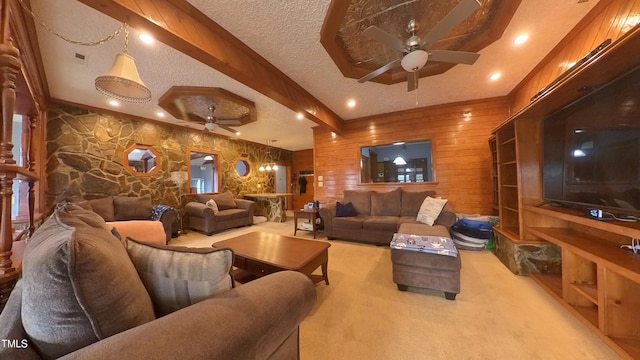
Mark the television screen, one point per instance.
(592, 149)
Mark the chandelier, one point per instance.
(269, 166)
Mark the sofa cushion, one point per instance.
(381, 223)
(230, 214)
(177, 277)
(386, 203)
(103, 207)
(348, 223)
(79, 285)
(361, 201)
(212, 204)
(141, 230)
(412, 200)
(132, 207)
(430, 209)
(345, 210)
(224, 200)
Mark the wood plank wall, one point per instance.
(608, 19)
(461, 155)
(302, 161)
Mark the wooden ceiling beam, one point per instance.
(183, 27)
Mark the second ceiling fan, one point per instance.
(416, 49)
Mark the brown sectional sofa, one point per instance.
(231, 213)
(379, 215)
(123, 208)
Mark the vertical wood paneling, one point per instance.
(462, 160)
(608, 19)
(303, 161)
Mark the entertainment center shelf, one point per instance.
(600, 282)
(595, 279)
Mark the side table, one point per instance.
(312, 216)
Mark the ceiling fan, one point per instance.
(212, 122)
(415, 49)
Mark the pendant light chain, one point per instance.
(82, 43)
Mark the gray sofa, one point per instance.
(122, 208)
(380, 214)
(85, 295)
(230, 213)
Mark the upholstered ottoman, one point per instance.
(423, 269)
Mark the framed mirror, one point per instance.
(401, 162)
(204, 169)
(243, 167)
(142, 160)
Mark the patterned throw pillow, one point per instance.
(430, 209)
(177, 277)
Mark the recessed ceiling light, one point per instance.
(495, 76)
(300, 116)
(351, 103)
(238, 133)
(146, 38)
(160, 114)
(521, 39)
(114, 103)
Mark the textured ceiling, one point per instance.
(287, 34)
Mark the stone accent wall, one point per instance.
(85, 158)
(525, 259)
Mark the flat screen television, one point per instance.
(592, 150)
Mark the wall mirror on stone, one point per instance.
(243, 167)
(400, 162)
(142, 160)
(204, 171)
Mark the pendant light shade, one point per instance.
(399, 160)
(122, 81)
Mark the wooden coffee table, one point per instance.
(262, 253)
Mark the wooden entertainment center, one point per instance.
(599, 282)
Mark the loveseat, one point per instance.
(124, 208)
(84, 294)
(212, 213)
(378, 215)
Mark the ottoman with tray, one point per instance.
(435, 266)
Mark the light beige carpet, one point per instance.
(362, 315)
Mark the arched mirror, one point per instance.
(203, 171)
(142, 160)
(243, 167)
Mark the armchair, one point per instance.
(225, 212)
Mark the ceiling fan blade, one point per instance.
(457, 57)
(227, 128)
(379, 71)
(230, 122)
(412, 80)
(385, 38)
(462, 11)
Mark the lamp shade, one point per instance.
(414, 60)
(122, 81)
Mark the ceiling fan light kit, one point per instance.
(414, 60)
(416, 49)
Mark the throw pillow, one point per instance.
(430, 209)
(79, 285)
(132, 207)
(345, 210)
(224, 200)
(177, 277)
(212, 204)
(103, 207)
